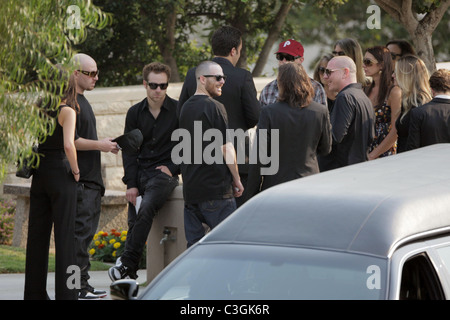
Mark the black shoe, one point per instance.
(88, 292)
(121, 272)
(98, 293)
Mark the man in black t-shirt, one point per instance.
(90, 186)
(210, 182)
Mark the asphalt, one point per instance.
(12, 284)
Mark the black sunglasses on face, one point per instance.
(328, 72)
(153, 85)
(394, 56)
(368, 62)
(217, 76)
(322, 69)
(288, 57)
(91, 74)
(339, 53)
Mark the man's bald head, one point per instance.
(81, 60)
(343, 73)
(86, 72)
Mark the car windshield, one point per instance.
(236, 272)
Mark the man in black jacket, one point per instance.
(238, 93)
(430, 123)
(352, 117)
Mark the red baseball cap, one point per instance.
(292, 47)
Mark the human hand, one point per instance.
(165, 170)
(107, 145)
(131, 195)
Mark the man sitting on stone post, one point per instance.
(149, 172)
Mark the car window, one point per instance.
(419, 280)
(268, 272)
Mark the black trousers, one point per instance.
(52, 203)
(86, 223)
(155, 188)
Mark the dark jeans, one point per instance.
(52, 204)
(209, 212)
(86, 223)
(155, 187)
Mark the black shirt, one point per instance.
(55, 141)
(202, 181)
(89, 161)
(157, 145)
(353, 127)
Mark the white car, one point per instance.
(375, 230)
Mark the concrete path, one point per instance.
(12, 285)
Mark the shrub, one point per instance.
(7, 211)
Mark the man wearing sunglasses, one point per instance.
(90, 187)
(209, 187)
(290, 51)
(149, 172)
(352, 117)
(239, 94)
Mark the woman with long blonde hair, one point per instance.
(412, 77)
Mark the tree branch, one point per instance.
(432, 18)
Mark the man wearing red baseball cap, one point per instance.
(290, 51)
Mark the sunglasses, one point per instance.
(328, 72)
(288, 57)
(338, 53)
(217, 76)
(322, 69)
(394, 56)
(91, 74)
(368, 62)
(153, 85)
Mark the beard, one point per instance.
(212, 90)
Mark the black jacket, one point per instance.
(429, 124)
(302, 134)
(353, 127)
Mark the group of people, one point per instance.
(355, 108)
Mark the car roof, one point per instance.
(370, 208)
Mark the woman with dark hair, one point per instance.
(53, 199)
(386, 100)
(297, 130)
(399, 48)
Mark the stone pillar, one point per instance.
(166, 239)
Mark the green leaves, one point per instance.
(36, 36)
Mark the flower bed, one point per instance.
(107, 247)
(7, 210)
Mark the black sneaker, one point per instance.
(90, 293)
(121, 272)
(86, 295)
(98, 293)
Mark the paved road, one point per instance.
(11, 285)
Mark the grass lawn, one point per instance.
(12, 260)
